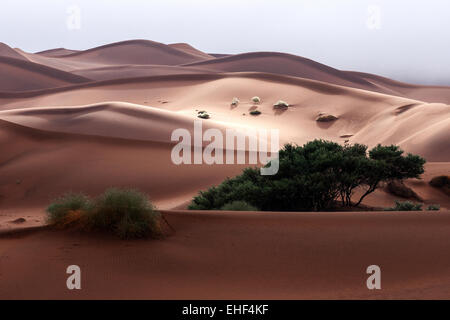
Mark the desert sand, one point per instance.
(87, 120)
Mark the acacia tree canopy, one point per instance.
(313, 177)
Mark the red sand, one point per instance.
(223, 255)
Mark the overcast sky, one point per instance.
(408, 40)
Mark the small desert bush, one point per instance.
(255, 112)
(405, 206)
(256, 100)
(238, 206)
(126, 213)
(281, 104)
(441, 182)
(62, 211)
(433, 207)
(235, 101)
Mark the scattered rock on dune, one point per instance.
(19, 220)
(281, 104)
(326, 118)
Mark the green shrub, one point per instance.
(313, 177)
(238, 206)
(256, 100)
(255, 112)
(63, 210)
(123, 212)
(405, 206)
(126, 213)
(442, 183)
(433, 207)
(281, 104)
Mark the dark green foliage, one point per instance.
(238, 206)
(442, 183)
(433, 207)
(312, 177)
(124, 212)
(58, 210)
(405, 206)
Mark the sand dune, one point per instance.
(191, 50)
(286, 64)
(150, 118)
(133, 71)
(6, 51)
(425, 93)
(223, 255)
(58, 52)
(39, 165)
(88, 120)
(135, 52)
(20, 75)
(385, 119)
(109, 119)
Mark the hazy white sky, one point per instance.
(407, 40)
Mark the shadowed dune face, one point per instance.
(58, 52)
(41, 164)
(285, 64)
(137, 52)
(8, 52)
(18, 75)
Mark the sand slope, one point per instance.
(6, 51)
(286, 64)
(191, 50)
(426, 93)
(364, 116)
(21, 75)
(58, 52)
(131, 52)
(224, 255)
(39, 165)
(134, 71)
